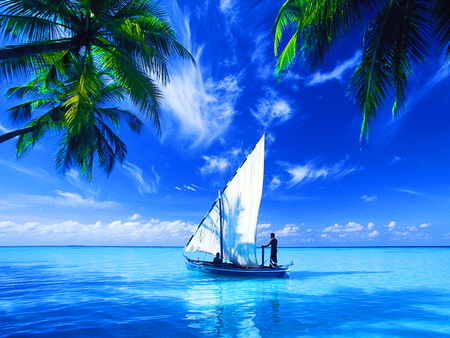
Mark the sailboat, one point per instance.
(230, 226)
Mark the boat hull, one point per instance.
(233, 270)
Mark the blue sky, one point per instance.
(320, 189)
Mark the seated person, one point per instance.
(217, 260)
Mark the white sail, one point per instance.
(240, 207)
(207, 236)
(236, 213)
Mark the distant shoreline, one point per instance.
(181, 247)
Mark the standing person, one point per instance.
(273, 250)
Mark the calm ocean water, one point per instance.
(147, 292)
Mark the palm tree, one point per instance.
(81, 141)
(69, 41)
(397, 33)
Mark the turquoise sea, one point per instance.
(147, 292)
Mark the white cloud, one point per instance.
(424, 225)
(191, 187)
(373, 234)
(214, 164)
(201, 111)
(288, 230)
(337, 73)
(368, 198)
(391, 225)
(272, 110)
(153, 232)
(135, 217)
(198, 107)
(226, 5)
(370, 226)
(73, 177)
(310, 171)
(275, 183)
(220, 164)
(137, 176)
(263, 226)
(349, 227)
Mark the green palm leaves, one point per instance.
(86, 55)
(397, 33)
(85, 124)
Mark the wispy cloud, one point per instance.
(220, 164)
(199, 108)
(396, 159)
(261, 58)
(60, 199)
(226, 5)
(3, 129)
(137, 176)
(423, 87)
(272, 110)
(411, 192)
(311, 171)
(190, 187)
(214, 164)
(337, 73)
(35, 172)
(74, 178)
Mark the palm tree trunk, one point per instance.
(18, 132)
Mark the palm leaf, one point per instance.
(441, 11)
(394, 36)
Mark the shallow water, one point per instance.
(147, 292)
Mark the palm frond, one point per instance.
(286, 58)
(317, 25)
(24, 111)
(441, 11)
(396, 35)
(109, 147)
(144, 94)
(116, 115)
(41, 127)
(412, 41)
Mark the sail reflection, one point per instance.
(226, 307)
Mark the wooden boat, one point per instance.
(230, 226)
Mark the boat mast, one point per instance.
(221, 225)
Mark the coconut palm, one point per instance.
(81, 141)
(396, 35)
(70, 41)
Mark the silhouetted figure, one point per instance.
(217, 260)
(273, 250)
